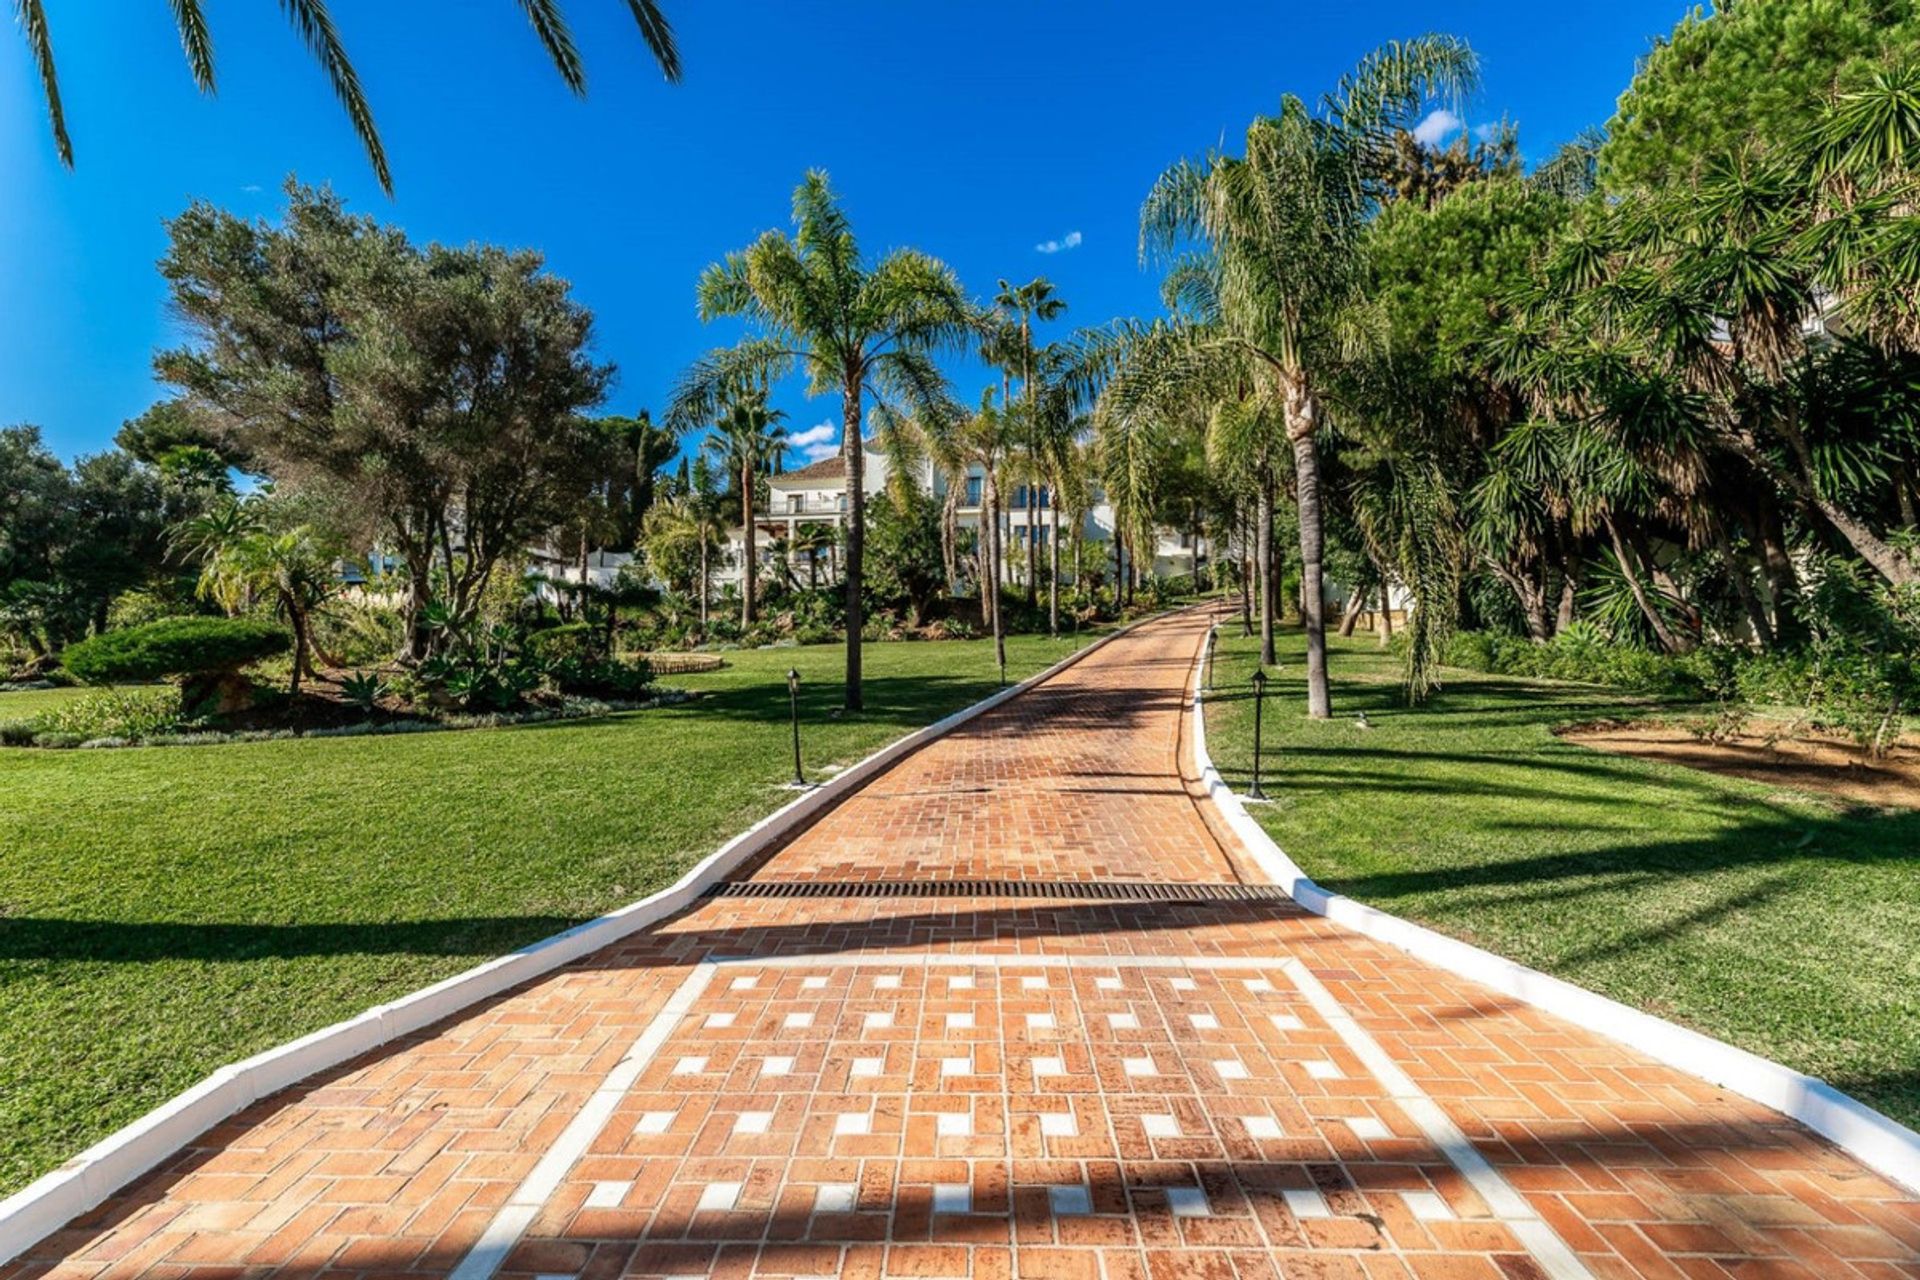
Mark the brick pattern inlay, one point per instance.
(999, 1086)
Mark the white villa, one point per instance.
(817, 495)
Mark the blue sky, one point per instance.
(984, 131)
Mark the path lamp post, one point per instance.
(793, 708)
(1213, 639)
(1259, 705)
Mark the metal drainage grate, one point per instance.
(1100, 890)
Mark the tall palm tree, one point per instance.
(313, 23)
(1284, 223)
(867, 329)
(1024, 305)
(744, 443)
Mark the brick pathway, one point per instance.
(999, 1085)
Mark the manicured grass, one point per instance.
(167, 910)
(1782, 923)
(25, 704)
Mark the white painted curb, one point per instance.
(49, 1203)
(1877, 1141)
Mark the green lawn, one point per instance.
(1782, 923)
(167, 910)
(24, 704)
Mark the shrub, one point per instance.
(17, 733)
(116, 713)
(573, 640)
(597, 677)
(206, 654)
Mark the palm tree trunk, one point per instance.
(990, 580)
(1243, 553)
(751, 570)
(1303, 416)
(703, 582)
(1386, 613)
(1263, 556)
(856, 529)
(1053, 564)
(950, 536)
(1033, 545)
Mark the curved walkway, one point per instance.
(1061, 1077)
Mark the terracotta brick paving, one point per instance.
(991, 1086)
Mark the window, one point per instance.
(974, 486)
(840, 502)
(796, 503)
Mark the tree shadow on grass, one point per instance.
(30, 939)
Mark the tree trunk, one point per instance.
(1350, 616)
(1386, 613)
(1743, 587)
(1053, 565)
(582, 593)
(990, 550)
(299, 649)
(856, 530)
(1246, 579)
(750, 571)
(1303, 418)
(1033, 549)
(1632, 571)
(704, 580)
(1891, 563)
(950, 536)
(1263, 556)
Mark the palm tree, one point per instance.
(1284, 223)
(812, 539)
(245, 559)
(685, 531)
(985, 439)
(859, 327)
(744, 444)
(313, 23)
(1028, 303)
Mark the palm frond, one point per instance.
(195, 41)
(723, 375)
(314, 23)
(550, 24)
(32, 16)
(658, 33)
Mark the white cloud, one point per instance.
(1071, 240)
(815, 443)
(1437, 127)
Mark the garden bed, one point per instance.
(1823, 764)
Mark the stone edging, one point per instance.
(56, 1198)
(1876, 1140)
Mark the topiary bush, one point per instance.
(204, 654)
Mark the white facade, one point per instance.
(817, 494)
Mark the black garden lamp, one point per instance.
(793, 707)
(1259, 706)
(1213, 639)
